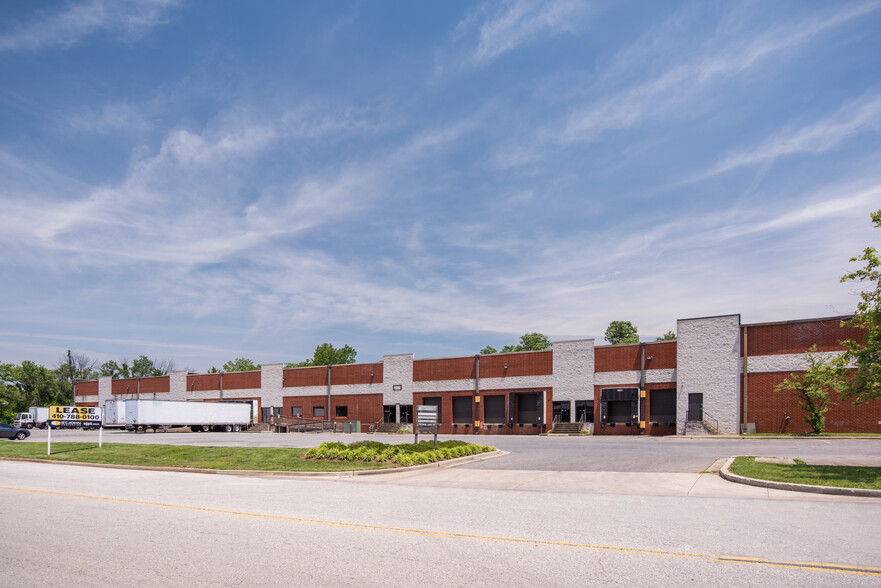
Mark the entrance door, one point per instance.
(696, 406)
(388, 413)
(562, 411)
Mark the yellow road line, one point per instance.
(807, 566)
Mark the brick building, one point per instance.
(718, 376)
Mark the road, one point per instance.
(96, 527)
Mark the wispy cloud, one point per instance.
(860, 116)
(129, 19)
(491, 30)
(673, 88)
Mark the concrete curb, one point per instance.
(268, 474)
(726, 474)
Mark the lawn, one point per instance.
(183, 456)
(801, 473)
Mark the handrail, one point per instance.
(712, 428)
(300, 424)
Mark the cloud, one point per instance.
(862, 115)
(129, 19)
(491, 30)
(111, 118)
(673, 88)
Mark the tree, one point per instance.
(28, 384)
(143, 367)
(74, 366)
(668, 336)
(528, 342)
(621, 332)
(327, 354)
(814, 387)
(239, 364)
(865, 383)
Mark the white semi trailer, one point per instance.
(141, 415)
(114, 413)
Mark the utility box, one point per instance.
(351, 426)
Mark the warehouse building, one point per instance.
(717, 377)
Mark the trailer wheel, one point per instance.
(194, 429)
(205, 428)
(237, 428)
(227, 428)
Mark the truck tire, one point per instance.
(227, 428)
(237, 428)
(194, 429)
(30, 426)
(205, 428)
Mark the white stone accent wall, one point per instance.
(397, 369)
(618, 379)
(794, 362)
(573, 377)
(177, 385)
(631, 378)
(93, 398)
(708, 362)
(271, 384)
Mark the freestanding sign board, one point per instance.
(74, 414)
(426, 421)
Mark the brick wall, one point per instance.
(86, 388)
(310, 376)
(797, 337)
(768, 409)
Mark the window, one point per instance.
(561, 411)
(494, 409)
(318, 411)
(297, 411)
(462, 409)
(342, 411)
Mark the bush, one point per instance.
(406, 454)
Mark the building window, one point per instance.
(342, 411)
(494, 409)
(318, 411)
(462, 409)
(407, 413)
(297, 411)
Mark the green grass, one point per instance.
(811, 435)
(801, 473)
(183, 456)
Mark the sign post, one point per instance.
(75, 414)
(426, 420)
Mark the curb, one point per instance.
(726, 474)
(268, 474)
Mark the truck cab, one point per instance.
(23, 419)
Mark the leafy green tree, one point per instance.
(528, 342)
(668, 336)
(621, 332)
(239, 364)
(865, 383)
(143, 367)
(28, 384)
(815, 386)
(327, 354)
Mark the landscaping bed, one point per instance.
(404, 454)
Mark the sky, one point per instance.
(203, 180)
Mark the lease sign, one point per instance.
(90, 414)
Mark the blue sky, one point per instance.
(203, 180)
